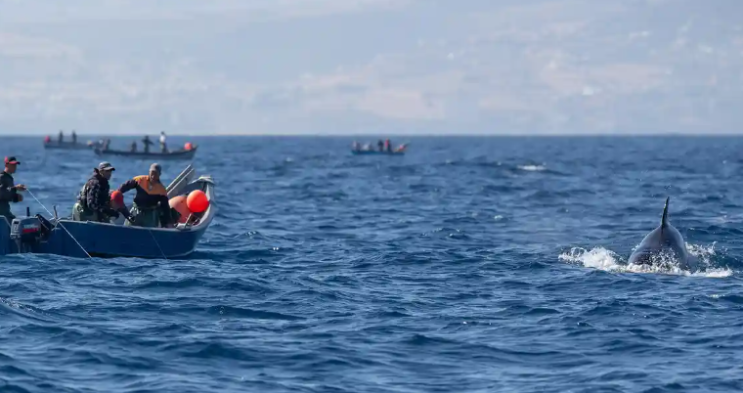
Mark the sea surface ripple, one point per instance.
(468, 265)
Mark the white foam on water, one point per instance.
(532, 168)
(604, 259)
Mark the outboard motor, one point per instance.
(27, 233)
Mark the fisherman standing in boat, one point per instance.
(8, 190)
(163, 145)
(151, 201)
(147, 142)
(94, 202)
(60, 137)
(74, 137)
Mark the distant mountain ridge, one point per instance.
(530, 66)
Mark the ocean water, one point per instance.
(468, 265)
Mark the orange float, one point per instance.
(197, 201)
(180, 204)
(117, 197)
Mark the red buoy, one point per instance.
(197, 201)
(117, 197)
(188, 146)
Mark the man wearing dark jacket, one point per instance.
(150, 207)
(8, 189)
(94, 202)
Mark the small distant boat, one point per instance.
(182, 154)
(377, 152)
(70, 145)
(367, 150)
(62, 236)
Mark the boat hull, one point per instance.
(67, 146)
(108, 240)
(376, 152)
(173, 155)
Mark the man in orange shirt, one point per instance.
(151, 201)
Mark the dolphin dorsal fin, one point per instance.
(664, 220)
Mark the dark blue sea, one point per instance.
(468, 265)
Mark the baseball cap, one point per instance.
(12, 160)
(106, 166)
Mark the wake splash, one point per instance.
(604, 259)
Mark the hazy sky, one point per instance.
(362, 66)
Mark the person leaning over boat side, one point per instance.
(93, 202)
(8, 190)
(151, 200)
(117, 203)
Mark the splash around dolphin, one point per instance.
(662, 243)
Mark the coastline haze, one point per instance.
(371, 67)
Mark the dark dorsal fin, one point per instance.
(664, 220)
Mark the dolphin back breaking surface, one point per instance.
(664, 243)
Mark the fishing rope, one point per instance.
(58, 222)
(156, 243)
(153, 239)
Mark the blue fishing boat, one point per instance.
(62, 236)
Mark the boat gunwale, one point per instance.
(142, 154)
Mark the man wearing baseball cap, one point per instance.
(94, 202)
(8, 189)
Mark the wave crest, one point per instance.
(600, 258)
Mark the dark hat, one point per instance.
(156, 167)
(12, 161)
(106, 166)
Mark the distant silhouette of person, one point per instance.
(74, 137)
(147, 142)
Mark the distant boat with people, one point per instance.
(61, 144)
(186, 153)
(383, 148)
